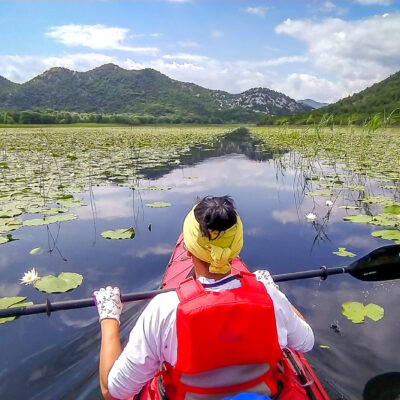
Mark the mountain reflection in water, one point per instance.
(238, 141)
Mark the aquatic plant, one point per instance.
(42, 169)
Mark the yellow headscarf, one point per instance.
(218, 251)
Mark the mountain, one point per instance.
(312, 103)
(262, 100)
(382, 97)
(7, 86)
(380, 100)
(111, 89)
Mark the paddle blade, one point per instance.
(382, 264)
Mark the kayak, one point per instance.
(298, 378)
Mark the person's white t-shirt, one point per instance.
(153, 340)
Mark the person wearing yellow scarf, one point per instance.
(213, 232)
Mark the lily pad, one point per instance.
(6, 239)
(6, 302)
(36, 250)
(354, 311)
(71, 202)
(10, 302)
(385, 220)
(356, 187)
(65, 196)
(342, 252)
(151, 187)
(54, 211)
(377, 199)
(388, 187)
(11, 212)
(158, 204)
(50, 219)
(323, 346)
(124, 233)
(64, 282)
(10, 224)
(359, 218)
(374, 312)
(393, 209)
(322, 194)
(388, 234)
(349, 207)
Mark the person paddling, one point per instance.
(216, 336)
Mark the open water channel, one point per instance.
(56, 357)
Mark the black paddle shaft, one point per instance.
(49, 307)
(379, 265)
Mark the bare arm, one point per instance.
(109, 351)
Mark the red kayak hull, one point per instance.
(298, 372)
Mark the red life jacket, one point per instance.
(234, 327)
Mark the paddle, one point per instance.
(380, 265)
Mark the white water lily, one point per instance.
(329, 203)
(311, 217)
(30, 277)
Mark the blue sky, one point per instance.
(318, 49)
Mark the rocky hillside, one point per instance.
(111, 89)
(262, 100)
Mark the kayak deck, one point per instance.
(293, 363)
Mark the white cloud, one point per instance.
(259, 11)
(98, 37)
(286, 216)
(299, 86)
(354, 53)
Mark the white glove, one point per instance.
(108, 302)
(262, 275)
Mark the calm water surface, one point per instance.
(57, 357)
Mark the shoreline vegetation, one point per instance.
(115, 125)
(316, 118)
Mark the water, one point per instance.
(57, 357)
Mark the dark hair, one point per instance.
(215, 213)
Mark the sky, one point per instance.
(323, 50)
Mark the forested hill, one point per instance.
(7, 86)
(381, 98)
(110, 89)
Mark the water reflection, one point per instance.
(238, 141)
(56, 358)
